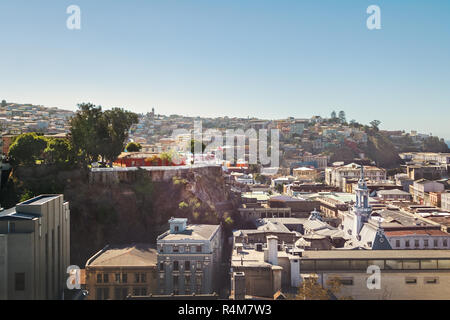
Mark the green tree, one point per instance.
(84, 132)
(27, 149)
(341, 116)
(133, 147)
(96, 134)
(119, 122)
(58, 151)
(333, 115)
(375, 124)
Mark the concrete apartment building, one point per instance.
(35, 249)
(189, 258)
(115, 272)
(337, 176)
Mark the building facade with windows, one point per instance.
(116, 272)
(445, 201)
(189, 258)
(35, 249)
(403, 274)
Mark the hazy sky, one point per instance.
(269, 59)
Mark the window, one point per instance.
(161, 266)
(416, 243)
(397, 243)
(435, 243)
(143, 278)
(120, 293)
(357, 265)
(198, 283)
(188, 248)
(347, 281)
(175, 266)
(20, 281)
(177, 228)
(12, 227)
(175, 282)
(140, 292)
(379, 263)
(199, 249)
(99, 278)
(106, 278)
(444, 242)
(187, 265)
(102, 293)
(444, 264)
(411, 280)
(187, 283)
(425, 243)
(136, 277)
(407, 243)
(431, 280)
(175, 249)
(199, 265)
(411, 264)
(393, 264)
(118, 277)
(124, 278)
(428, 264)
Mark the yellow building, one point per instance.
(118, 271)
(305, 173)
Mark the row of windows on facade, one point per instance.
(409, 264)
(176, 265)
(122, 277)
(408, 280)
(177, 249)
(187, 283)
(119, 293)
(435, 243)
(103, 293)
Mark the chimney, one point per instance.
(238, 286)
(272, 247)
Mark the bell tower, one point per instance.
(361, 209)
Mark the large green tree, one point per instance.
(59, 151)
(96, 134)
(119, 122)
(27, 149)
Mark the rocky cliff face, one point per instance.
(137, 210)
(128, 208)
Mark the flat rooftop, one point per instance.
(39, 200)
(192, 232)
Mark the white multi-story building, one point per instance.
(422, 186)
(336, 176)
(445, 201)
(189, 258)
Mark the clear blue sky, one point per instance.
(269, 59)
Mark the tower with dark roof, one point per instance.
(361, 208)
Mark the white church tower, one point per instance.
(361, 209)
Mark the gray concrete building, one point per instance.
(189, 258)
(34, 249)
